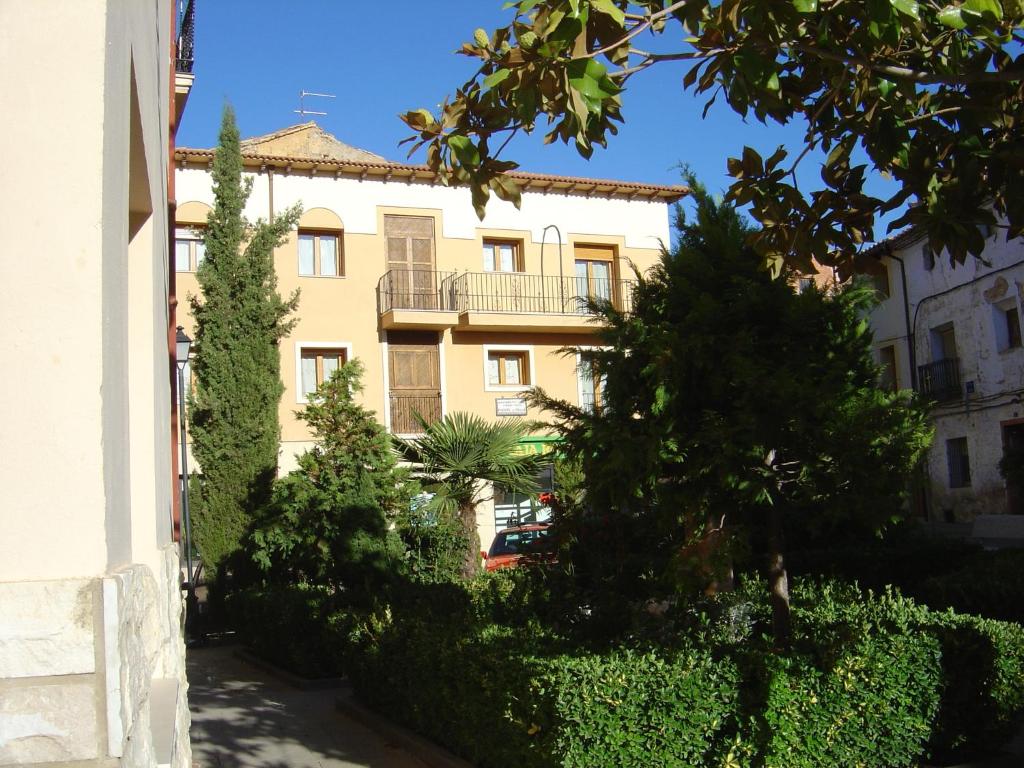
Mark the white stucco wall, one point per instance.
(643, 224)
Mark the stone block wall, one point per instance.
(92, 671)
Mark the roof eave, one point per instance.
(420, 173)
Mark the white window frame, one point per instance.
(192, 235)
(300, 397)
(528, 349)
(579, 373)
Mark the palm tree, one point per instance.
(455, 456)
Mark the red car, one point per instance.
(512, 544)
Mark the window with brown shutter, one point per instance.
(414, 379)
(410, 245)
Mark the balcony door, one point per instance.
(415, 380)
(410, 245)
(943, 343)
(595, 266)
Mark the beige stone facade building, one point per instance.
(953, 333)
(91, 648)
(446, 312)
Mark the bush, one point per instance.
(983, 683)
(989, 584)
(869, 680)
(435, 543)
(504, 698)
(294, 627)
(860, 687)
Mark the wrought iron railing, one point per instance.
(520, 292)
(940, 380)
(405, 407)
(498, 292)
(186, 37)
(415, 289)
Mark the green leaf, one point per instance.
(985, 7)
(498, 76)
(609, 8)
(951, 16)
(885, 87)
(806, 6)
(907, 7)
(464, 150)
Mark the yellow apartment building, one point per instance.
(446, 312)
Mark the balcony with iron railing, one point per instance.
(495, 300)
(185, 56)
(940, 380)
(420, 299)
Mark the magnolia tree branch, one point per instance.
(648, 20)
(906, 73)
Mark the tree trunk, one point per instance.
(471, 564)
(778, 581)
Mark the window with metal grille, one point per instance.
(959, 463)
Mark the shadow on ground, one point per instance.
(242, 717)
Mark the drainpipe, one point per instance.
(561, 275)
(911, 341)
(270, 193)
(172, 288)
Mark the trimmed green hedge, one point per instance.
(293, 627)
(990, 584)
(983, 683)
(875, 681)
(871, 680)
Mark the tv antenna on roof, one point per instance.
(302, 102)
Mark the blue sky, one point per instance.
(381, 60)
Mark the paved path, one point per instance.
(244, 717)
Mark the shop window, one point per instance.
(512, 509)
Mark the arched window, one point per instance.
(320, 244)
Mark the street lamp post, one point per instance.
(182, 345)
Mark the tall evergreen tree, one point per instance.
(730, 402)
(240, 318)
(330, 523)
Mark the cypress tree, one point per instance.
(240, 318)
